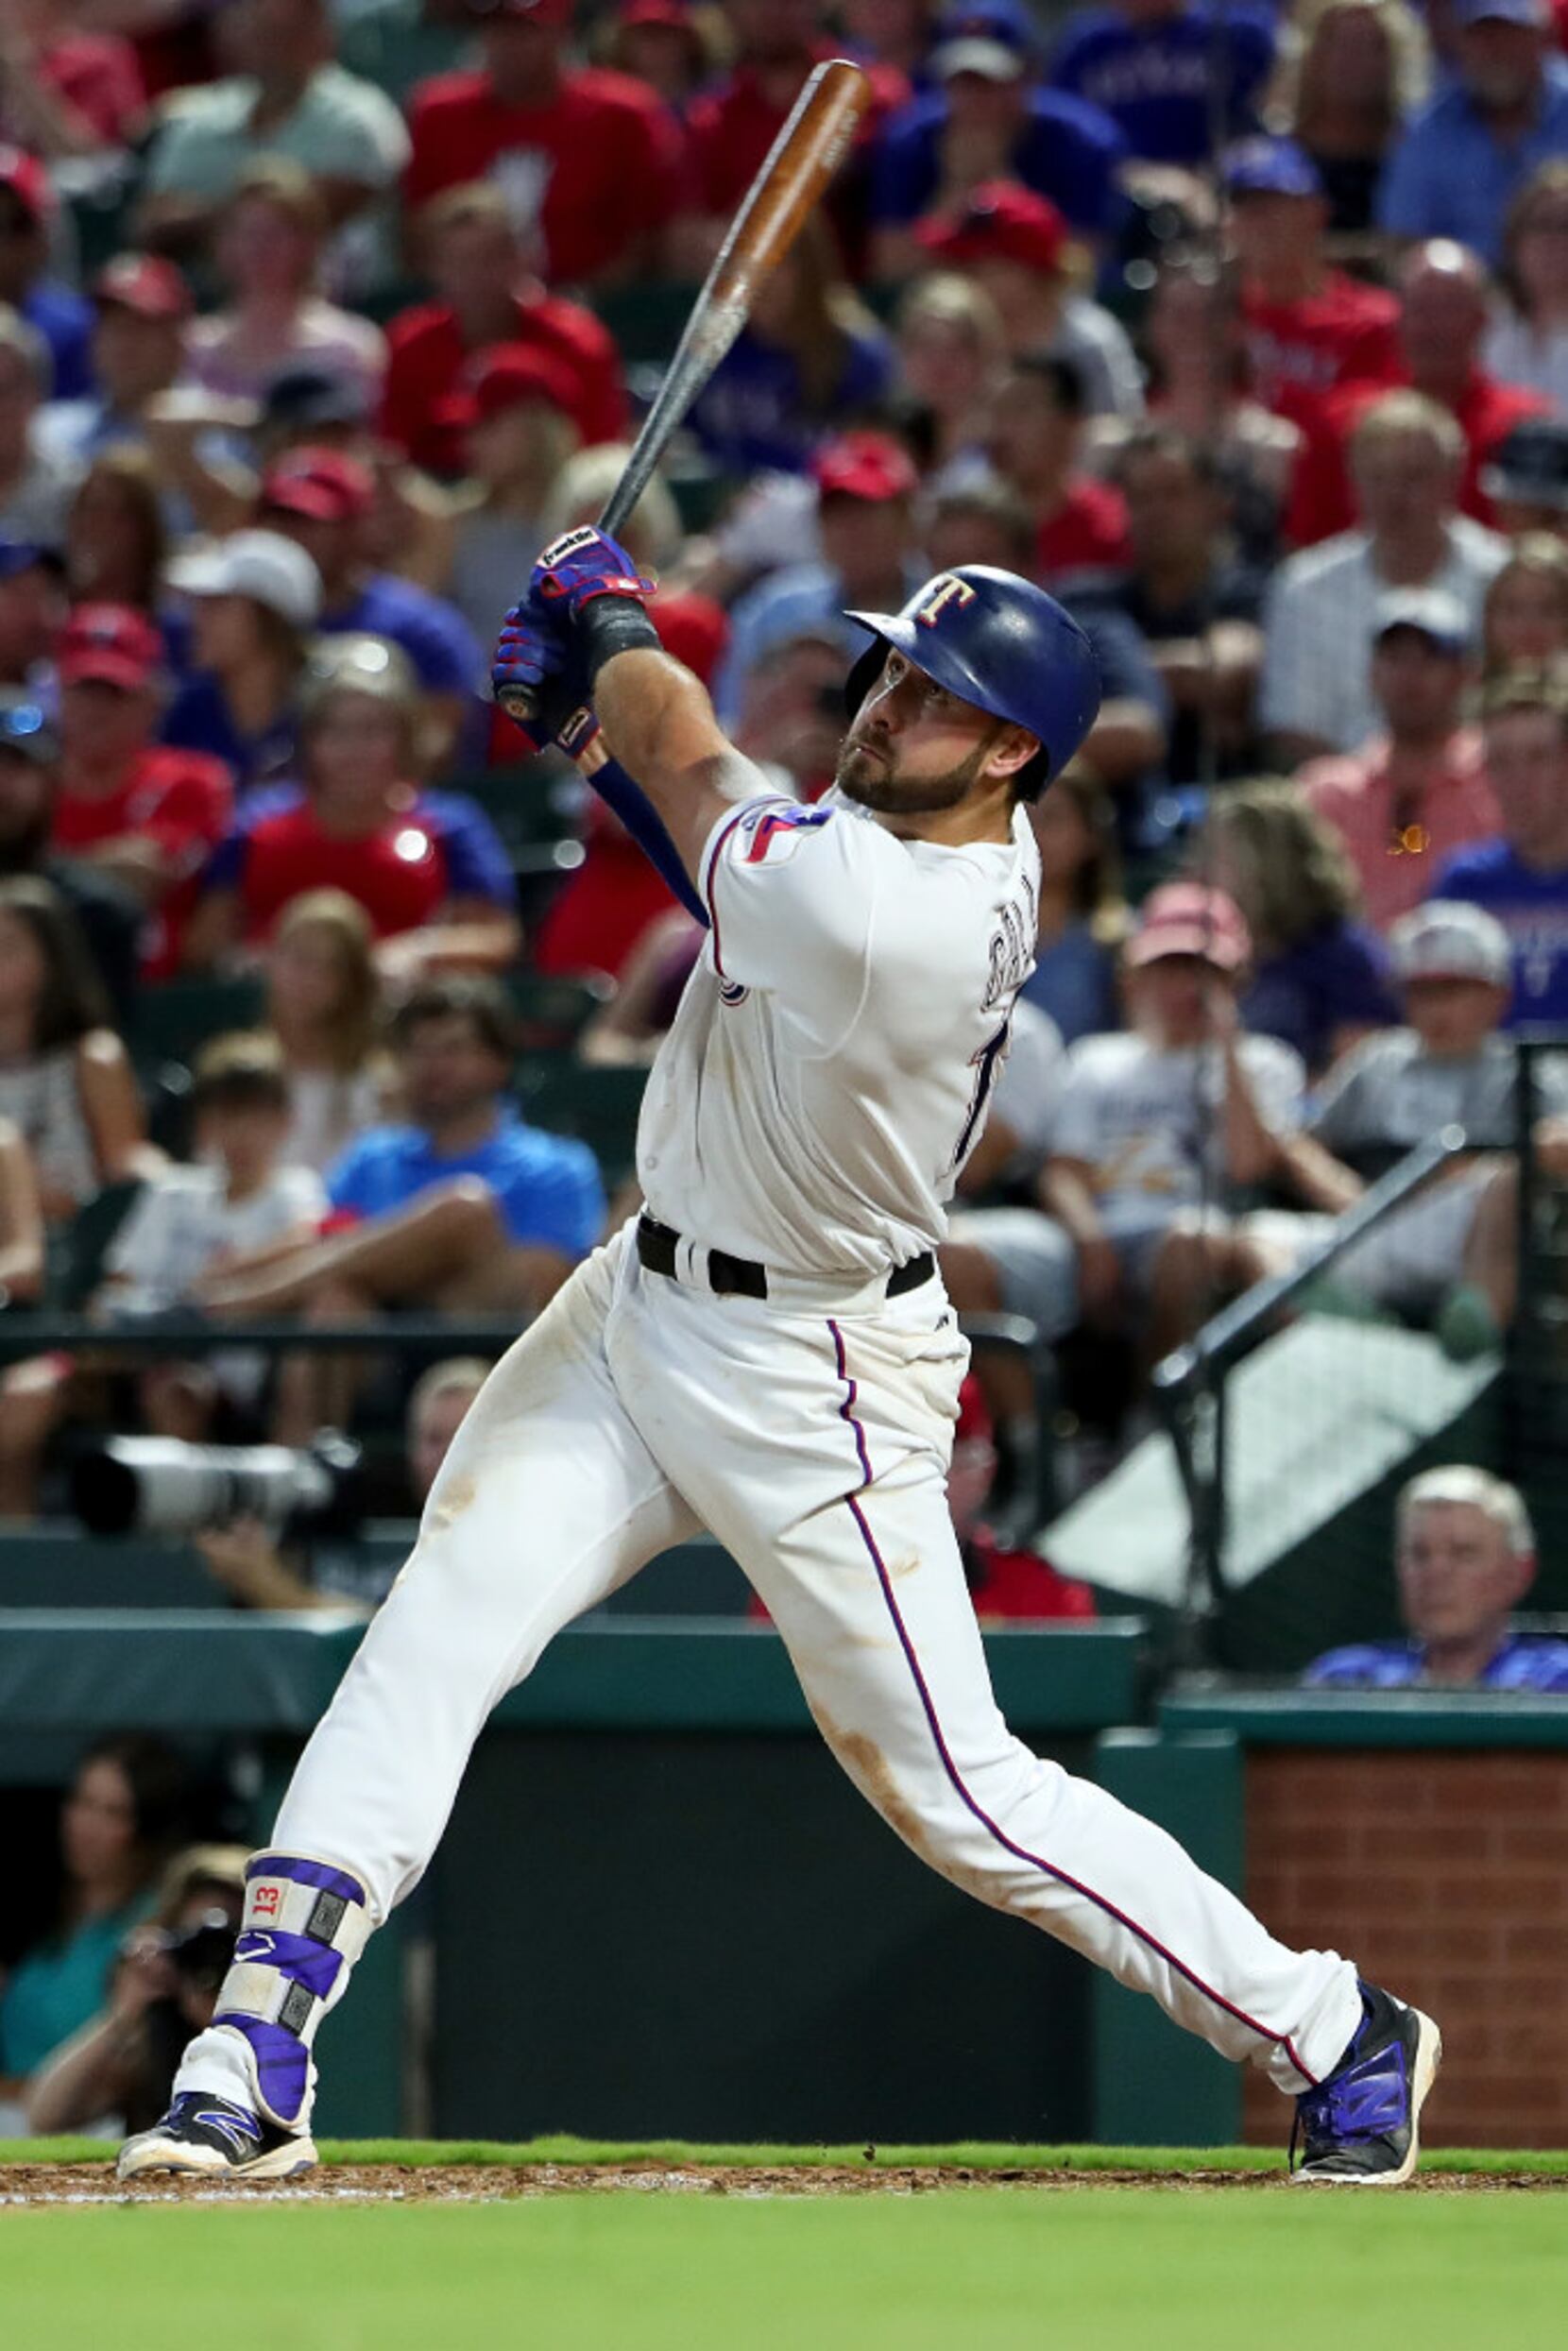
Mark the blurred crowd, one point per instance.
(1242, 327)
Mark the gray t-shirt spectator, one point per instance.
(1389, 1093)
(1147, 1118)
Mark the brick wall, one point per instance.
(1444, 1875)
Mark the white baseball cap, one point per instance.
(264, 565)
(1450, 939)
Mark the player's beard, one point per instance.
(875, 783)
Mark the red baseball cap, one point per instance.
(322, 483)
(676, 13)
(151, 287)
(865, 465)
(504, 377)
(27, 181)
(111, 644)
(998, 221)
(1187, 918)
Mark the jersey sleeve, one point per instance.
(792, 894)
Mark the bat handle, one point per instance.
(520, 703)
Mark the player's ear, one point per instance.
(1012, 751)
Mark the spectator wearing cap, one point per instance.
(1464, 1559)
(1320, 975)
(1195, 603)
(1444, 310)
(1406, 458)
(674, 48)
(109, 917)
(1501, 115)
(254, 596)
(1158, 1129)
(1016, 248)
(1449, 1257)
(592, 168)
(1526, 479)
(865, 486)
(149, 815)
(141, 306)
(485, 291)
(323, 499)
(1169, 72)
(66, 94)
(267, 254)
(1522, 876)
(1405, 801)
(512, 417)
(809, 355)
(426, 866)
(36, 483)
(733, 124)
(1034, 437)
(989, 118)
(1307, 328)
(32, 608)
(286, 97)
(56, 311)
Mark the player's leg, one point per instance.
(546, 1501)
(851, 1547)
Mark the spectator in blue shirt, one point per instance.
(322, 499)
(256, 596)
(1504, 113)
(463, 1209)
(56, 311)
(1464, 1557)
(989, 119)
(1523, 877)
(1151, 66)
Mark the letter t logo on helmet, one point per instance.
(946, 588)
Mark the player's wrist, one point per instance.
(611, 624)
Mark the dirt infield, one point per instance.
(24, 2185)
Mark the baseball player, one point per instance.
(767, 1351)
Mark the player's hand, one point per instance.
(583, 564)
(535, 658)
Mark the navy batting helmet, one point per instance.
(1000, 642)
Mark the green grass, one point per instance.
(1102, 2269)
(965, 2154)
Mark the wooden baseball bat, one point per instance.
(801, 162)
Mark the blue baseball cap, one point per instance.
(992, 37)
(26, 728)
(1431, 612)
(1532, 13)
(17, 555)
(1269, 167)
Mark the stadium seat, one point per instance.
(598, 1106)
(552, 1013)
(175, 1018)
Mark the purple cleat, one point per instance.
(1361, 2126)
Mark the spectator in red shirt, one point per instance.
(1309, 328)
(66, 93)
(426, 866)
(592, 165)
(1036, 426)
(145, 813)
(485, 292)
(733, 125)
(1443, 316)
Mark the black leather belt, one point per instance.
(742, 1277)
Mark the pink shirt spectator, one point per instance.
(1399, 820)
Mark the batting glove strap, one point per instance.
(612, 624)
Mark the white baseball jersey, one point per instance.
(834, 1051)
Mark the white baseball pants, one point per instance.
(812, 1440)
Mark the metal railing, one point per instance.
(1190, 1385)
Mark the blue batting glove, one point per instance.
(535, 656)
(583, 564)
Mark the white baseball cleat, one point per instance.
(214, 2139)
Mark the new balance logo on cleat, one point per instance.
(212, 2139)
(1361, 2127)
